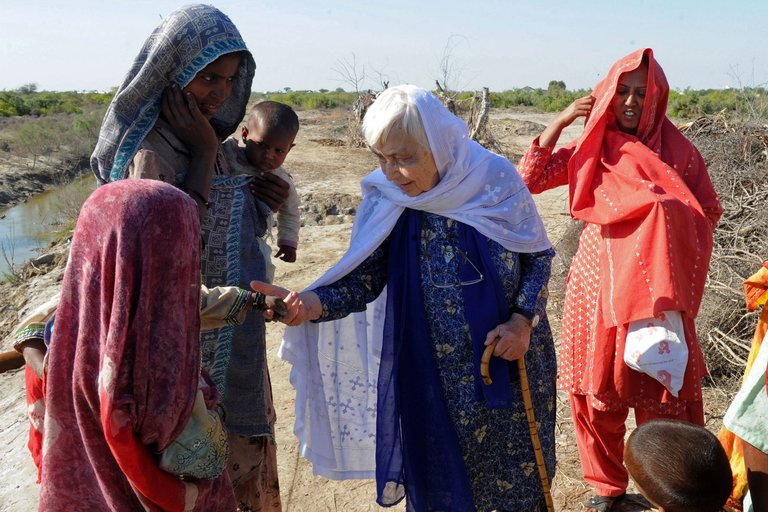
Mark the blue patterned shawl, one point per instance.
(189, 39)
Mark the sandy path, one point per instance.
(321, 168)
(300, 489)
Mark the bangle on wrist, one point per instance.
(258, 301)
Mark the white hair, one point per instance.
(393, 108)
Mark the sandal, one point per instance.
(603, 503)
(638, 502)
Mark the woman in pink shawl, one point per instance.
(124, 368)
(649, 208)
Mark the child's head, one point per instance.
(679, 466)
(268, 134)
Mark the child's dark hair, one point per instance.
(680, 466)
(275, 116)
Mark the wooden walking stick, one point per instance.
(485, 361)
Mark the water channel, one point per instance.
(27, 228)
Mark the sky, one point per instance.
(85, 45)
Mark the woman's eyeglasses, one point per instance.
(456, 283)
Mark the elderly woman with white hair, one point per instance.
(448, 254)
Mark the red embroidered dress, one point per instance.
(649, 208)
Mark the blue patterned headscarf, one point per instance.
(189, 39)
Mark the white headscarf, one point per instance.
(335, 364)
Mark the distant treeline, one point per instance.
(309, 100)
(45, 123)
(28, 101)
(686, 104)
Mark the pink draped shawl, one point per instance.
(124, 363)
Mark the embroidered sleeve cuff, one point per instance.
(546, 149)
(326, 296)
(34, 330)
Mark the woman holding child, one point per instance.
(448, 254)
(649, 208)
(186, 92)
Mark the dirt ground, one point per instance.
(327, 173)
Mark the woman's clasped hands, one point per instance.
(300, 306)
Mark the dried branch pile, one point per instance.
(364, 100)
(737, 156)
(475, 110)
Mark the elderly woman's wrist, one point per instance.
(529, 316)
(314, 307)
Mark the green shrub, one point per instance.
(689, 104)
(27, 100)
(71, 135)
(309, 100)
(553, 99)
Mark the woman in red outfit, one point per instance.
(649, 208)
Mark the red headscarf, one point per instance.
(124, 363)
(651, 195)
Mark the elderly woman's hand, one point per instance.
(301, 306)
(271, 189)
(514, 337)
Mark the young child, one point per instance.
(268, 136)
(678, 466)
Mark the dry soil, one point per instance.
(327, 172)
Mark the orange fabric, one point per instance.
(756, 289)
(756, 294)
(642, 191)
